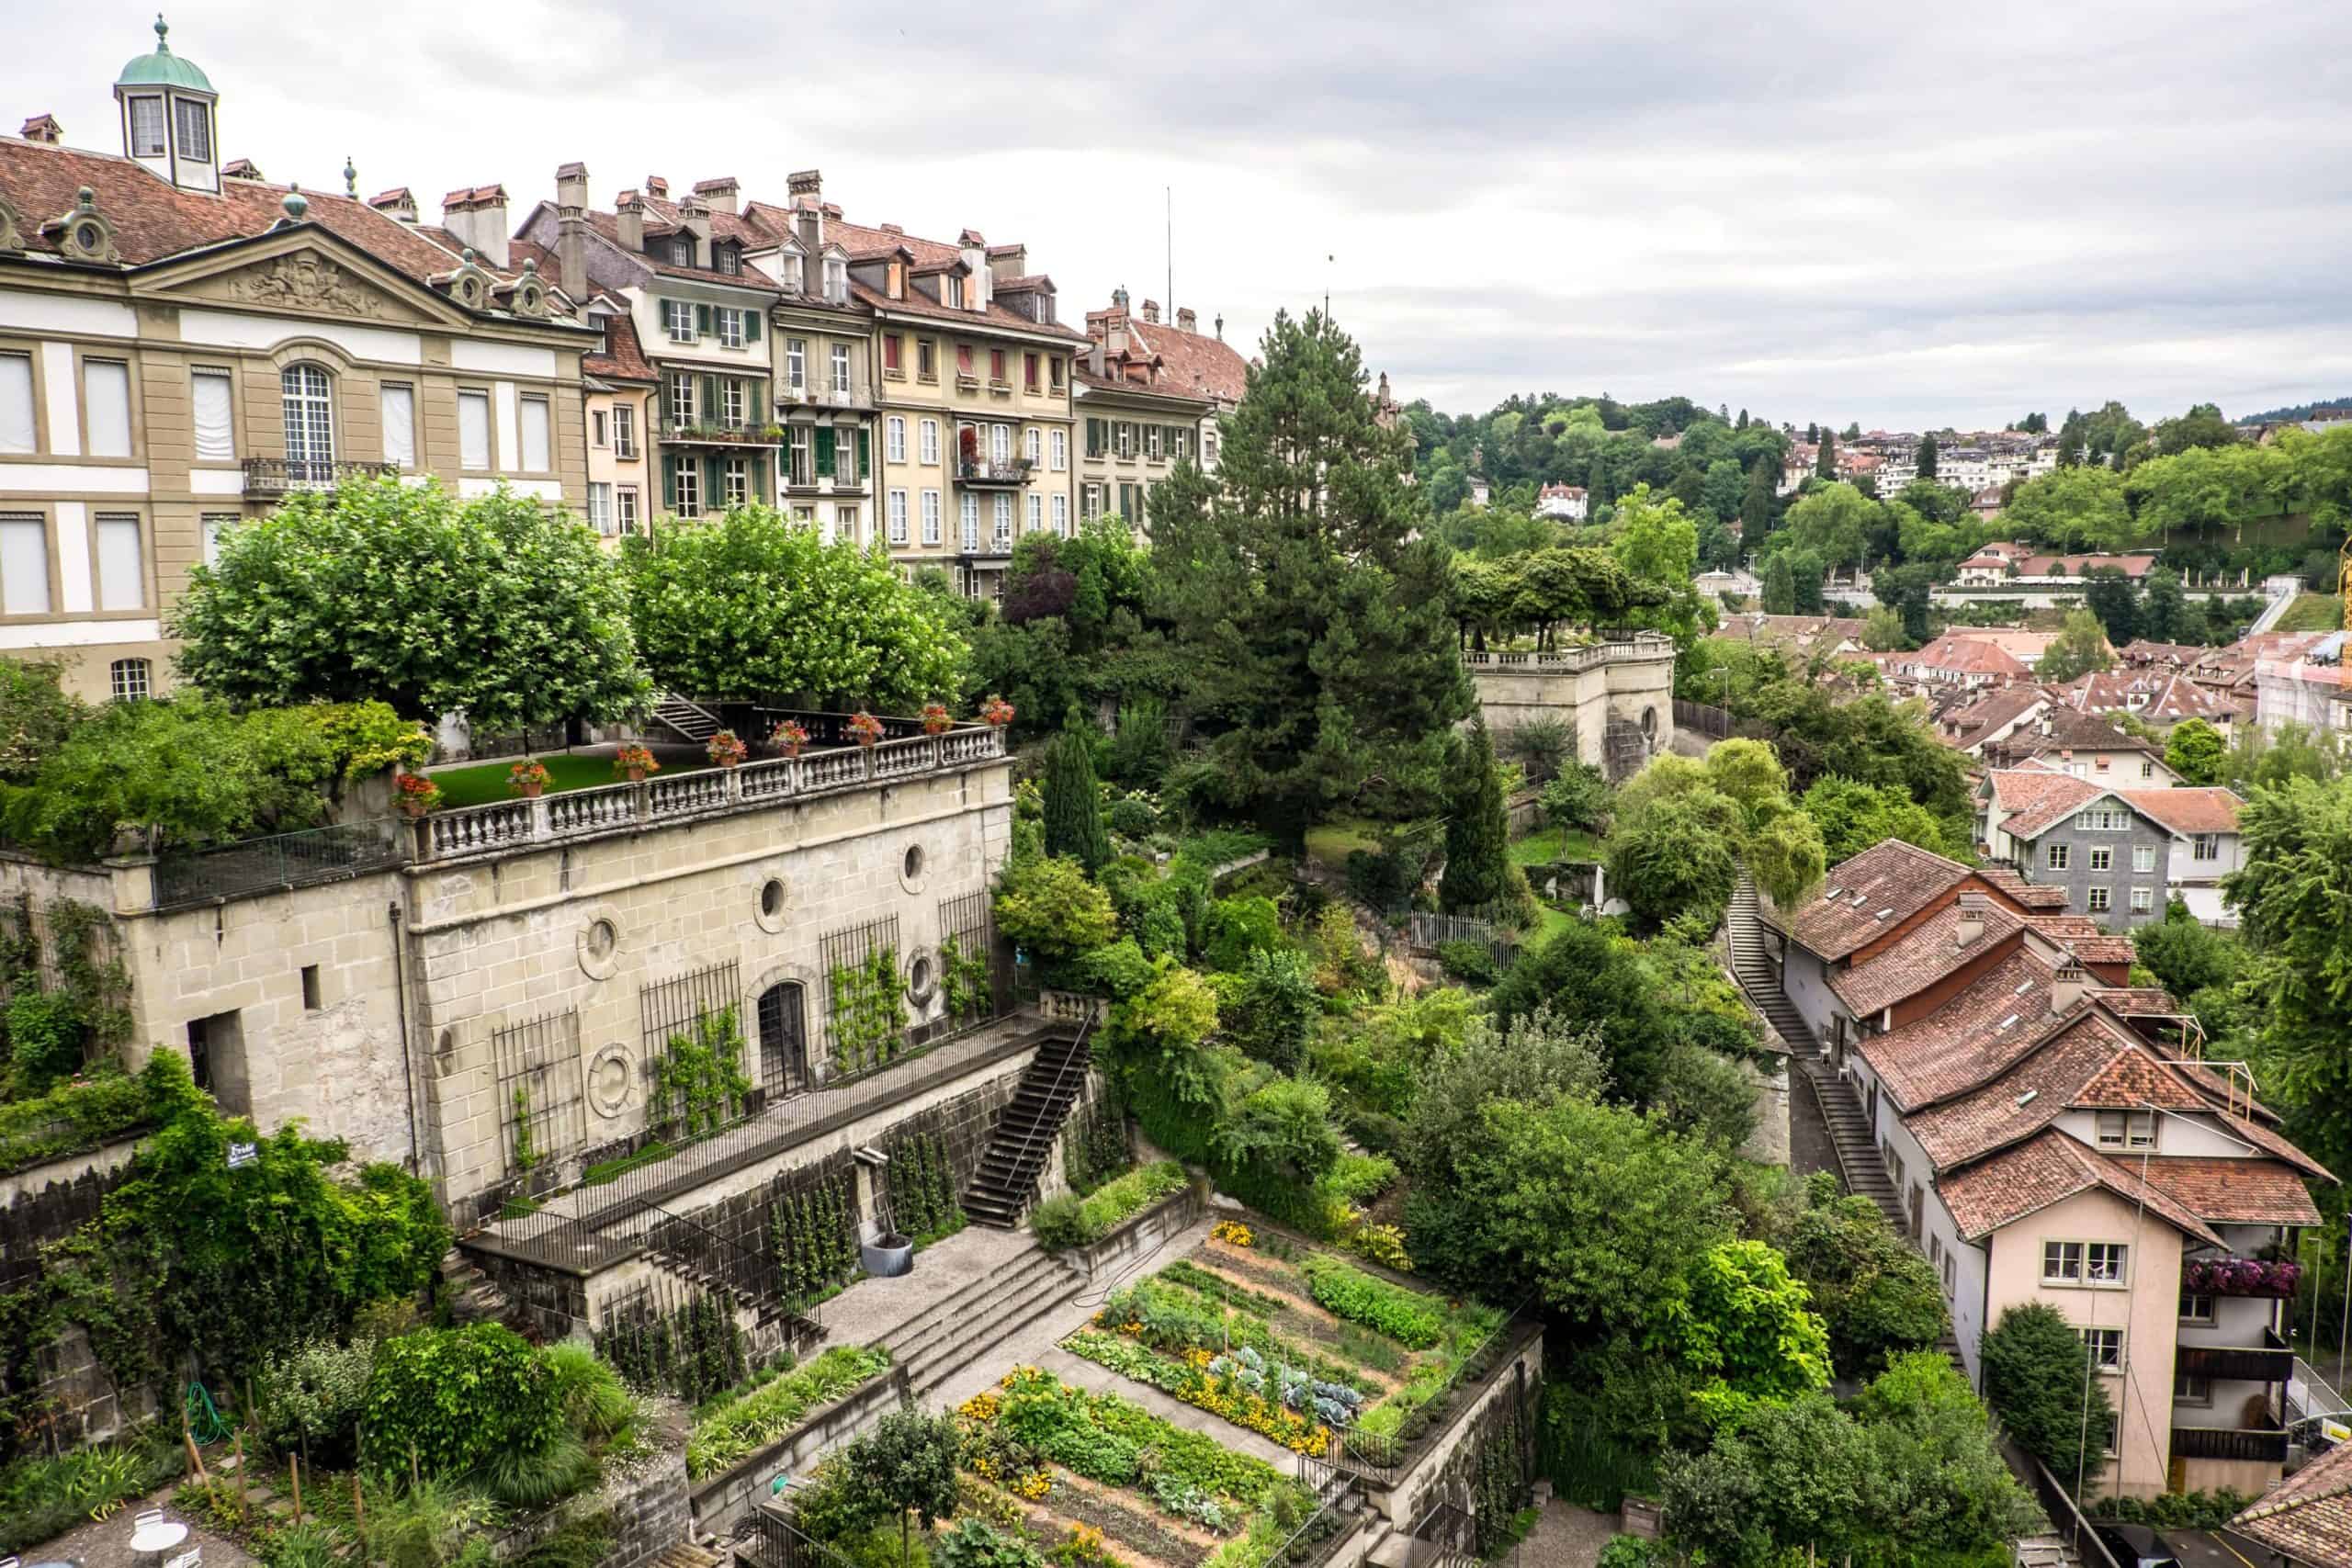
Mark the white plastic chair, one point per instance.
(151, 1516)
(194, 1559)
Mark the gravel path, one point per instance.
(1566, 1537)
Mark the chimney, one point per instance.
(2066, 985)
(976, 279)
(44, 130)
(810, 183)
(489, 224)
(629, 210)
(1008, 262)
(457, 216)
(893, 227)
(720, 194)
(1151, 312)
(1185, 321)
(398, 203)
(571, 230)
(809, 221)
(1972, 917)
(657, 187)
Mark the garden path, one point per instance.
(106, 1542)
(1566, 1537)
(1175, 1412)
(873, 1309)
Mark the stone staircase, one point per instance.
(1850, 1129)
(977, 1320)
(688, 720)
(1022, 1146)
(1743, 924)
(474, 1297)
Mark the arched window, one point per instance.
(784, 1039)
(309, 424)
(130, 680)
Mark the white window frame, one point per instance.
(999, 443)
(193, 122)
(305, 394)
(2098, 900)
(2102, 857)
(1060, 448)
(2144, 900)
(130, 680)
(2143, 858)
(968, 520)
(683, 398)
(1037, 511)
(731, 326)
(479, 396)
(930, 442)
(734, 404)
(931, 517)
(678, 321)
(894, 433)
(21, 429)
(543, 409)
(686, 481)
(840, 369)
(625, 508)
(2062, 1262)
(1061, 516)
(1003, 532)
(598, 435)
(109, 593)
(2055, 855)
(148, 141)
(600, 506)
(225, 384)
(898, 517)
(2106, 1347)
(624, 433)
(736, 480)
(2205, 846)
(2189, 1313)
(796, 363)
(2125, 1129)
(1033, 446)
(27, 525)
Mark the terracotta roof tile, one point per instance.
(2161, 696)
(1868, 895)
(1201, 364)
(2092, 942)
(995, 317)
(627, 360)
(1964, 1043)
(1924, 956)
(1968, 656)
(2016, 888)
(2186, 811)
(2135, 566)
(1991, 712)
(2049, 1170)
(2307, 1517)
(2034, 800)
(2228, 1191)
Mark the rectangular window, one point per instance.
(1128, 439)
(2055, 856)
(1029, 371)
(122, 574)
(730, 329)
(2106, 1345)
(2205, 846)
(689, 489)
(999, 443)
(212, 525)
(2127, 1129)
(1003, 520)
(1091, 506)
(24, 564)
(1037, 511)
(2144, 900)
(796, 468)
(625, 431)
(2147, 768)
(196, 130)
(2102, 857)
(473, 430)
(2191, 1388)
(926, 359)
(894, 437)
(16, 423)
(968, 514)
(734, 404)
(738, 478)
(2107, 1263)
(1094, 438)
(1054, 372)
(146, 128)
(2195, 1308)
(1033, 446)
(212, 397)
(310, 999)
(963, 359)
(2062, 1262)
(845, 524)
(538, 440)
(682, 400)
(1151, 441)
(596, 428)
(841, 370)
(2143, 858)
(678, 320)
(600, 506)
(931, 517)
(625, 509)
(130, 680)
(105, 391)
(1062, 450)
(898, 517)
(996, 366)
(2099, 900)
(931, 441)
(892, 347)
(796, 363)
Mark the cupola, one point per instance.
(169, 116)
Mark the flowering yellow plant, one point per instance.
(1233, 1233)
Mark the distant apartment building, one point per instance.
(618, 385)
(183, 343)
(1149, 398)
(1974, 463)
(2306, 687)
(2122, 853)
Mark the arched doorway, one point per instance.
(784, 1039)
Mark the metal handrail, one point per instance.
(742, 1256)
(1077, 1048)
(1350, 1448)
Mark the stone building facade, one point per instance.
(1618, 695)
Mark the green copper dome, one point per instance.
(162, 68)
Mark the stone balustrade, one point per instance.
(550, 818)
(1619, 645)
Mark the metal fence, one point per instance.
(675, 1009)
(542, 1089)
(1386, 1456)
(286, 861)
(845, 954)
(2065, 1519)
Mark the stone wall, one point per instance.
(1631, 682)
(1514, 1377)
(1143, 1235)
(45, 1203)
(1768, 1143)
(719, 1501)
(645, 1501)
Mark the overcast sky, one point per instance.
(1898, 214)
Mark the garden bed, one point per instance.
(1288, 1342)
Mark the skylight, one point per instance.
(2007, 1023)
(2023, 987)
(1883, 913)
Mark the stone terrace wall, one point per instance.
(722, 1500)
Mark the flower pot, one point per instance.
(887, 1256)
(937, 726)
(530, 791)
(412, 810)
(730, 761)
(867, 741)
(792, 748)
(637, 776)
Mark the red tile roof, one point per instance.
(627, 360)
(1198, 363)
(2091, 942)
(2228, 1191)
(1969, 656)
(1991, 712)
(2133, 566)
(2044, 1170)
(2032, 801)
(2307, 1517)
(2165, 696)
(1926, 955)
(2066, 729)
(2204, 809)
(2018, 889)
(995, 318)
(1868, 896)
(1964, 1043)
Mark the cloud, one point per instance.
(1828, 210)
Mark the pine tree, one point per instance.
(1477, 832)
(1761, 509)
(1926, 467)
(1827, 465)
(1780, 586)
(1074, 803)
(1314, 621)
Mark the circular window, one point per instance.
(608, 1081)
(914, 861)
(771, 897)
(87, 236)
(599, 944)
(911, 865)
(920, 979)
(602, 939)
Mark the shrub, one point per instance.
(456, 1398)
(1579, 799)
(1632, 1552)
(1073, 1222)
(2037, 1380)
(976, 1543)
(73, 1116)
(728, 1432)
(1472, 963)
(1074, 803)
(1236, 928)
(1359, 1178)
(1047, 905)
(314, 1394)
(1135, 816)
(1406, 1317)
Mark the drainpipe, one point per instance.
(400, 1006)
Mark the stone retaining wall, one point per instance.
(647, 1503)
(720, 1501)
(1141, 1234)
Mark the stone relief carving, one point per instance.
(306, 283)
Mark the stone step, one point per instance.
(968, 1326)
(920, 1333)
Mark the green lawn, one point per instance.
(1330, 841)
(1554, 844)
(2312, 613)
(485, 783)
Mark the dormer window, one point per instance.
(196, 130)
(681, 250)
(837, 280)
(731, 260)
(147, 128)
(951, 291)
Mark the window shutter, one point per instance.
(713, 410)
(669, 484)
(702, 320)
(824, 448)
(713, 483)
(751, 326)
(864, 451)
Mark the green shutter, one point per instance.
(825, 449)
(751, 326)
(864, 451)
(714, 484)
(669, 484)
(711, 406)
(702, 320)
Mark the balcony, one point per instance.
(266, 478)
(2276, 1278)
(2229, 1442)
(987, 474)
(683, 433)
(2244, 1363)
(965, 381)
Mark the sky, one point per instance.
(1903, 215)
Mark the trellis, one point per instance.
(811, 1229)
(865, 1009)
(677, 1008)
(919, 1183)
(542, 1091)
(967, 957)
(669, 1337)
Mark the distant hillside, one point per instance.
(2299, 411)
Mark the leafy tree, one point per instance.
(2108, 594)
(1275, 1009)
(2202, 426)
(1076, 629)
(1658, 545)
(1789, 1482)
(2186, 955)
(1780, 586)
(2074, 508)
(1074, 803)
(2196, 750)
(36, 716)
(1853, 431)
(1047, 905)
(1883, 630)
(1925, 465)
(1746, 772)
(2164, 608)
(495, 608)
(2038, 1378)
(2079, 649)
(1280, 1136)
(1738, 1319)
(1833, 520)
(2261, 758)
(752, 602)
(1938, 1489)
(1877, 1296)
(1825, 461)
(1586, 973)
(910, 1461)
(1674, 857)
(1479, 870)
(1786, 856)
(1760, 509)
(1316, 622)
(1853, 816)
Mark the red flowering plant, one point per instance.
(788, 737)
(996, 712)
(865, 728)
(726, 749)
(528, 776)
(416, 793)
(2240, 1276)
(935, 719)
(634, 759)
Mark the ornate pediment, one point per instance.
(304, 280)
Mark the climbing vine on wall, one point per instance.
(1499, 1479)
(813, 1233)
(869, 1010)
(695, 1351)
(1095, 1146)
(702, 1077)
(968, 988)
(923, 1205)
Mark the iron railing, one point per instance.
(2229, 1442)
(266, 478)
(1082, 1060)
(990, 471)
(280, 861)
(2250, 1363)
(1385, 1456)
(2067, 1518)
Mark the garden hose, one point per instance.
(204, 1422)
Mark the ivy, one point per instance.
(1094, 1144)
(527, 1153)
(923, 1203)
(869, 1010)
(966, 980)
(702, 1077)
(697, 1352)
(812, 1234)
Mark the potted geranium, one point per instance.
(726, 749)
(788, 737)
(415, 794)
(865, 728)
(996, 713)
(528, 778)
(936, 720)
(633, 761)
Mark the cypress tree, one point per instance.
(1926, 467)
(1477, 832)
(1074, 803)
(1828, 465)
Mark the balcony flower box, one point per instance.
(996, 713)
(633, 762)
(416, 793)
(2241, 1277)
(787, 738)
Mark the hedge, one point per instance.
(1067, 1222)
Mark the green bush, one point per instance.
(1631, 1551)
(313, 1394)
(1472, 963)
(1406, 1317)
(454, 1398)
(1236, 928)
(1049, 907)
(1065, 1221)
(72, 1117)
(726, 1433)
(45, 1037)
(1135, 816)
(1359, 1178)
(976, 1543)
(43, 1496)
